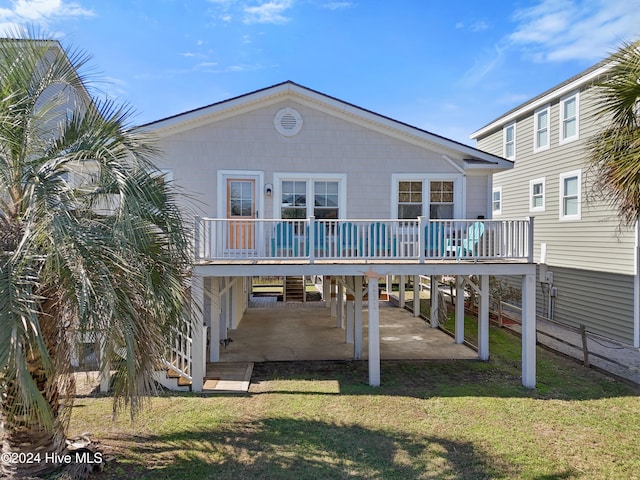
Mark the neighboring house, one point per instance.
(588, 266)
(289, 181)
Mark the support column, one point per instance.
(197, 333)
(416, 295)
(326, 291)
(215, 309)
(374, 331)
(483, 319)
(350, 319)
(105, 365)
(357, 321)
(529, 330)
(401, 291)
(459, 323)
(333, 297)
(434, 300)
(340, 306)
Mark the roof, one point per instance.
(471, 154)
(589, 75)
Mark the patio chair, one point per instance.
(284, 240)
(469, 243)
(349, 241)
(320, 245)
(434, 240)
(380, 242)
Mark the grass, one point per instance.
(428, 420)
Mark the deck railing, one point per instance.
(312, 239)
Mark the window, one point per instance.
(440, 199)
(409, 200)
(496, 201)
(509, 135)
(302, 196)
(569, 118)
(541, 129)
(325, 200)
(294, 200)
(536, 195)
(570, 191)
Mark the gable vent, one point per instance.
(288, 122)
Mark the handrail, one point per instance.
(312, 239)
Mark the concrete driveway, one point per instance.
(306, 331)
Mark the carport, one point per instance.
(277, 331)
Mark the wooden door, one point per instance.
(241, 209)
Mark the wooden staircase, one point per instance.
(294, 289)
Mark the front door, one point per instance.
(241, 207)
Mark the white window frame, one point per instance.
(508, 126)
(563, 176)
(532, 183)
(537, 128)
(564, 100)
(458, 199)
(495, 211)
(310, 178)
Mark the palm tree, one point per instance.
(92, 244)
(615, 151)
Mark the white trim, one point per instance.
(636, 288)
(561, 216)
(536, 129)
(497, 189)
(504, 140)
(310, 177)
(533, 182)
(458, 190)
(221, 194)
(528, 107)
(563, 100)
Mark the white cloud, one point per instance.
(268, 12)
(39, 11)
(337, 5)
(562, 30)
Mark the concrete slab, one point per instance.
(306, 332)
(228, 377)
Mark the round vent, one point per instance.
(288, 122)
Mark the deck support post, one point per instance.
(459, 322)
(401, 291)
(374, 331)
(326, 291)
(416, 295)
(197, 333)
(434, 300)
(215, 321)
(349, 331)
(340, 306)
(334, 289)
(529, 330)
(357, 321)
(483, 319)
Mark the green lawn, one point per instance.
(428, 420)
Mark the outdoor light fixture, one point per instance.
(268, 189)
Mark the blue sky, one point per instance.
(449, 67)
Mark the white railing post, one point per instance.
(530, 241)
(422, 238)
(312, 238)
(196, 238)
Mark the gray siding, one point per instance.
(327, 143)
(602, 302)
(594, 242)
